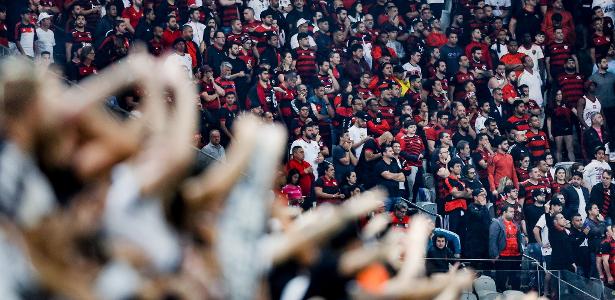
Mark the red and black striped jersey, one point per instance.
(227, 85)
(260, 34)
(526, 188)
(558, 53)
(228, 14)
(80, 39)
(365, 93)
(306, 63)
(519, 123)
(572, 87)
(537, 143)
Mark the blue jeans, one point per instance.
(533, 250)
(389, 203)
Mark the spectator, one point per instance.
(505, 246)
(576, 195)
(343, 158)
(501, 165)
(478, 221)
(562, 256)
(390, 176)
(603, 195)
(593, 171)
(597, 233)
(305, 169)
(292, 190)
(560, 122)
(213, 150)
(438, 256)
(399, 217)
(326, 188)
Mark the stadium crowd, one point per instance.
(501, 112)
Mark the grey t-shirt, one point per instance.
(605, 91)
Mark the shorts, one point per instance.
(561, 130)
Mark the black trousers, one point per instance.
(507, 270)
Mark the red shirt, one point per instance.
(132, 15)
(512, 244)
(168, 37)
(305, 180)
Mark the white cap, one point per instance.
(43, 16)
(301, 22)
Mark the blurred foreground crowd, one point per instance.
(494, 117)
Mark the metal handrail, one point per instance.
(540, 266)
(425, 211)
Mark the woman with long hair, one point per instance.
(560, 180)
(292, 190)
(429, 62)
(210, 30)
(559, 125)
(355, 13)
(287, 64)
(523, 172)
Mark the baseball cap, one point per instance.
(477, 192)
(42, 16)
(301, 22)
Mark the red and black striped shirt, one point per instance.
(80, 39)
(572, 87)
(229, 13)
(259, 35)
(306, 63)
(519, 123)
(526, 188)
(226, 84)
(450, 202)
(558, 54)
(537, 143)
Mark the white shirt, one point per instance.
(294, 43)
(480, 123)
(497, 5)
(413, 70)
(258, 6)
(46, 41)
(198, 30)
(140, 221)
(590, 109)
(534, 82)
(357, 134)
(544, 234)
(593, 173)
(535, 52)
(503, 49)
(581, 202)
(311, 150)
(184, 61)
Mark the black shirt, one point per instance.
(532, 213)
(364, 168)
(392, 186)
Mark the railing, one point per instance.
(533, 275)
(437, 216)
